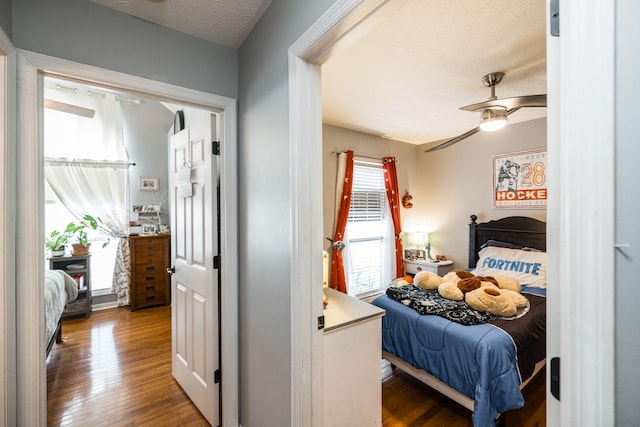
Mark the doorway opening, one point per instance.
(31, 348)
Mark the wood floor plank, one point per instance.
(408, 402)
(114, 370)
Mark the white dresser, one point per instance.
(352, 362)
(414, 266)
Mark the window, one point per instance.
(85, 167)
(368, 231)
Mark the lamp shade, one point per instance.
(418, 239)
(493, 118)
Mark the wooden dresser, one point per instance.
(150, 283)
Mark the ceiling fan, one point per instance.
(494, 111)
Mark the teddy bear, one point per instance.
(427, 280)
(402, 281)
(458, 282)
(496, 295)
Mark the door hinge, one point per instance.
(320, 322)
(216, 262)
(215, 146)
(217, 376)
(555, 377)
(554, 18)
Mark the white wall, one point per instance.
(447, 185)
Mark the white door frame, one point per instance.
(7, 230)
(581, 215)
(31, 365)
(586, 49)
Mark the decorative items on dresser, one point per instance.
(79, 268)
(150, 285)
(413, 266)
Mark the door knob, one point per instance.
(171, 270)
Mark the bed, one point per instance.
(59, 289)
(483, 366)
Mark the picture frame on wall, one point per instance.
(149, 183)
(520, 179)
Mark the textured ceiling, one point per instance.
(403, 73)
(406, 71)
(225, 22)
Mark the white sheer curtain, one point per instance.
(86, 165)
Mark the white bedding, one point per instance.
(59, 289)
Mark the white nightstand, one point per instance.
(413, 266)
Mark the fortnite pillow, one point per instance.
(528, 268)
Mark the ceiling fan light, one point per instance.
(493, 119)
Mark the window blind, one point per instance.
(366, 225)
(368, 194)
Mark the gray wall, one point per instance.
(145, 129)
(447, 185)
(265, 212)
(85, 32)
(627, 350)
(5, 17)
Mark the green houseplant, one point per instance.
(57, 241)
(80, 235)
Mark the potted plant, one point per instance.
(56, 242)
(79, 232)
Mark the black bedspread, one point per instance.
(529, 334)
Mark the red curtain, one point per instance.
(338, 280)
(391, 184)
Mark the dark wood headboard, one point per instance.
(518, 230)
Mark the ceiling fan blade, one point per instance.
(510, 103)
(452, 141)
(467, 134)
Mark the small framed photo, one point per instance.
(149, 183)
(149, 229)
(415, 254)
(151, 208)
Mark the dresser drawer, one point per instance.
(149, 242)
(150, 259)
(415, 266)
(145, 298)
(155, 267)
(149, 277)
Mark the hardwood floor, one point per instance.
(114, 369)
(408, 402)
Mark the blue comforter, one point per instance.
(480, 361)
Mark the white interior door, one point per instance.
(193, 180)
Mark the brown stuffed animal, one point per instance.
(492, 300)
(469, 284)
(427, 280)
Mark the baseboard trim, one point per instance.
(104, 306)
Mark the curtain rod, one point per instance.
(88, 162)
(362, 157)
